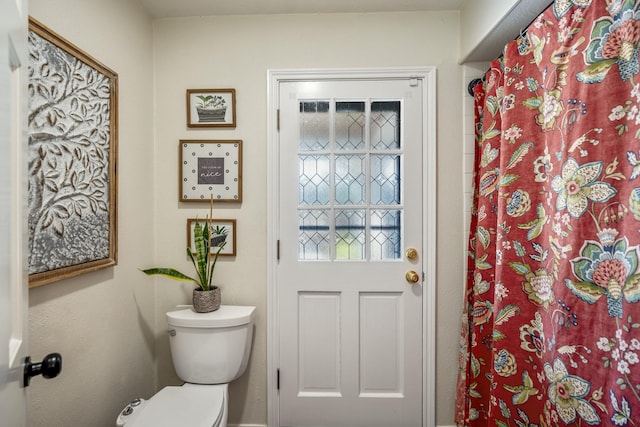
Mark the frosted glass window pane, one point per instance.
(385, 234)
(350, 180)
(314, 125)
(314, 185)
(385, 180)
(385, 125)
(350, 125)
(350, 234)
(349, 192)
(313, 236)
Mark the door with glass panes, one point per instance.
(349, 277)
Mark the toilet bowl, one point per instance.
(192, 405)
(208, 350)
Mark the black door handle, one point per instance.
(50, 367)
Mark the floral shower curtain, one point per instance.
(551, 331)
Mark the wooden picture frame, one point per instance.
(72, 156)
(229, 226)
(210, 168)
(211, 108)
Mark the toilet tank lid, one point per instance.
(225, 316)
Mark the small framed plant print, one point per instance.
(223, 232)
(211, 108)
(210, 169)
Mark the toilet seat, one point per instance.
(190, 405)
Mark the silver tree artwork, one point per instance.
(71, 158)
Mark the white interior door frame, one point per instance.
(428, 77)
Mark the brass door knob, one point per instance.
(411, 254)
(412, 276)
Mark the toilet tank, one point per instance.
(211, 348)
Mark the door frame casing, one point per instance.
(428, 77)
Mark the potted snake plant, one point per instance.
(206, 295)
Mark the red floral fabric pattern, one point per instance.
(551, 326)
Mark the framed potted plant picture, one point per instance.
(223, 231)
(211, 108)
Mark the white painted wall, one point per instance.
(486, 25)
(237, 51)
(477, 19)
(103, 323)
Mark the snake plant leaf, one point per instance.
(213, 263)
(171, 273)
(200, 235)
(195, 265)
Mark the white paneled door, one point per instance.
(13, 278)
(349, 276)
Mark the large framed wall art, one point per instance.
(210, 169)
(72, 156)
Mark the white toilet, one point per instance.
(209, 350)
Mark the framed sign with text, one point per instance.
(210, 168)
